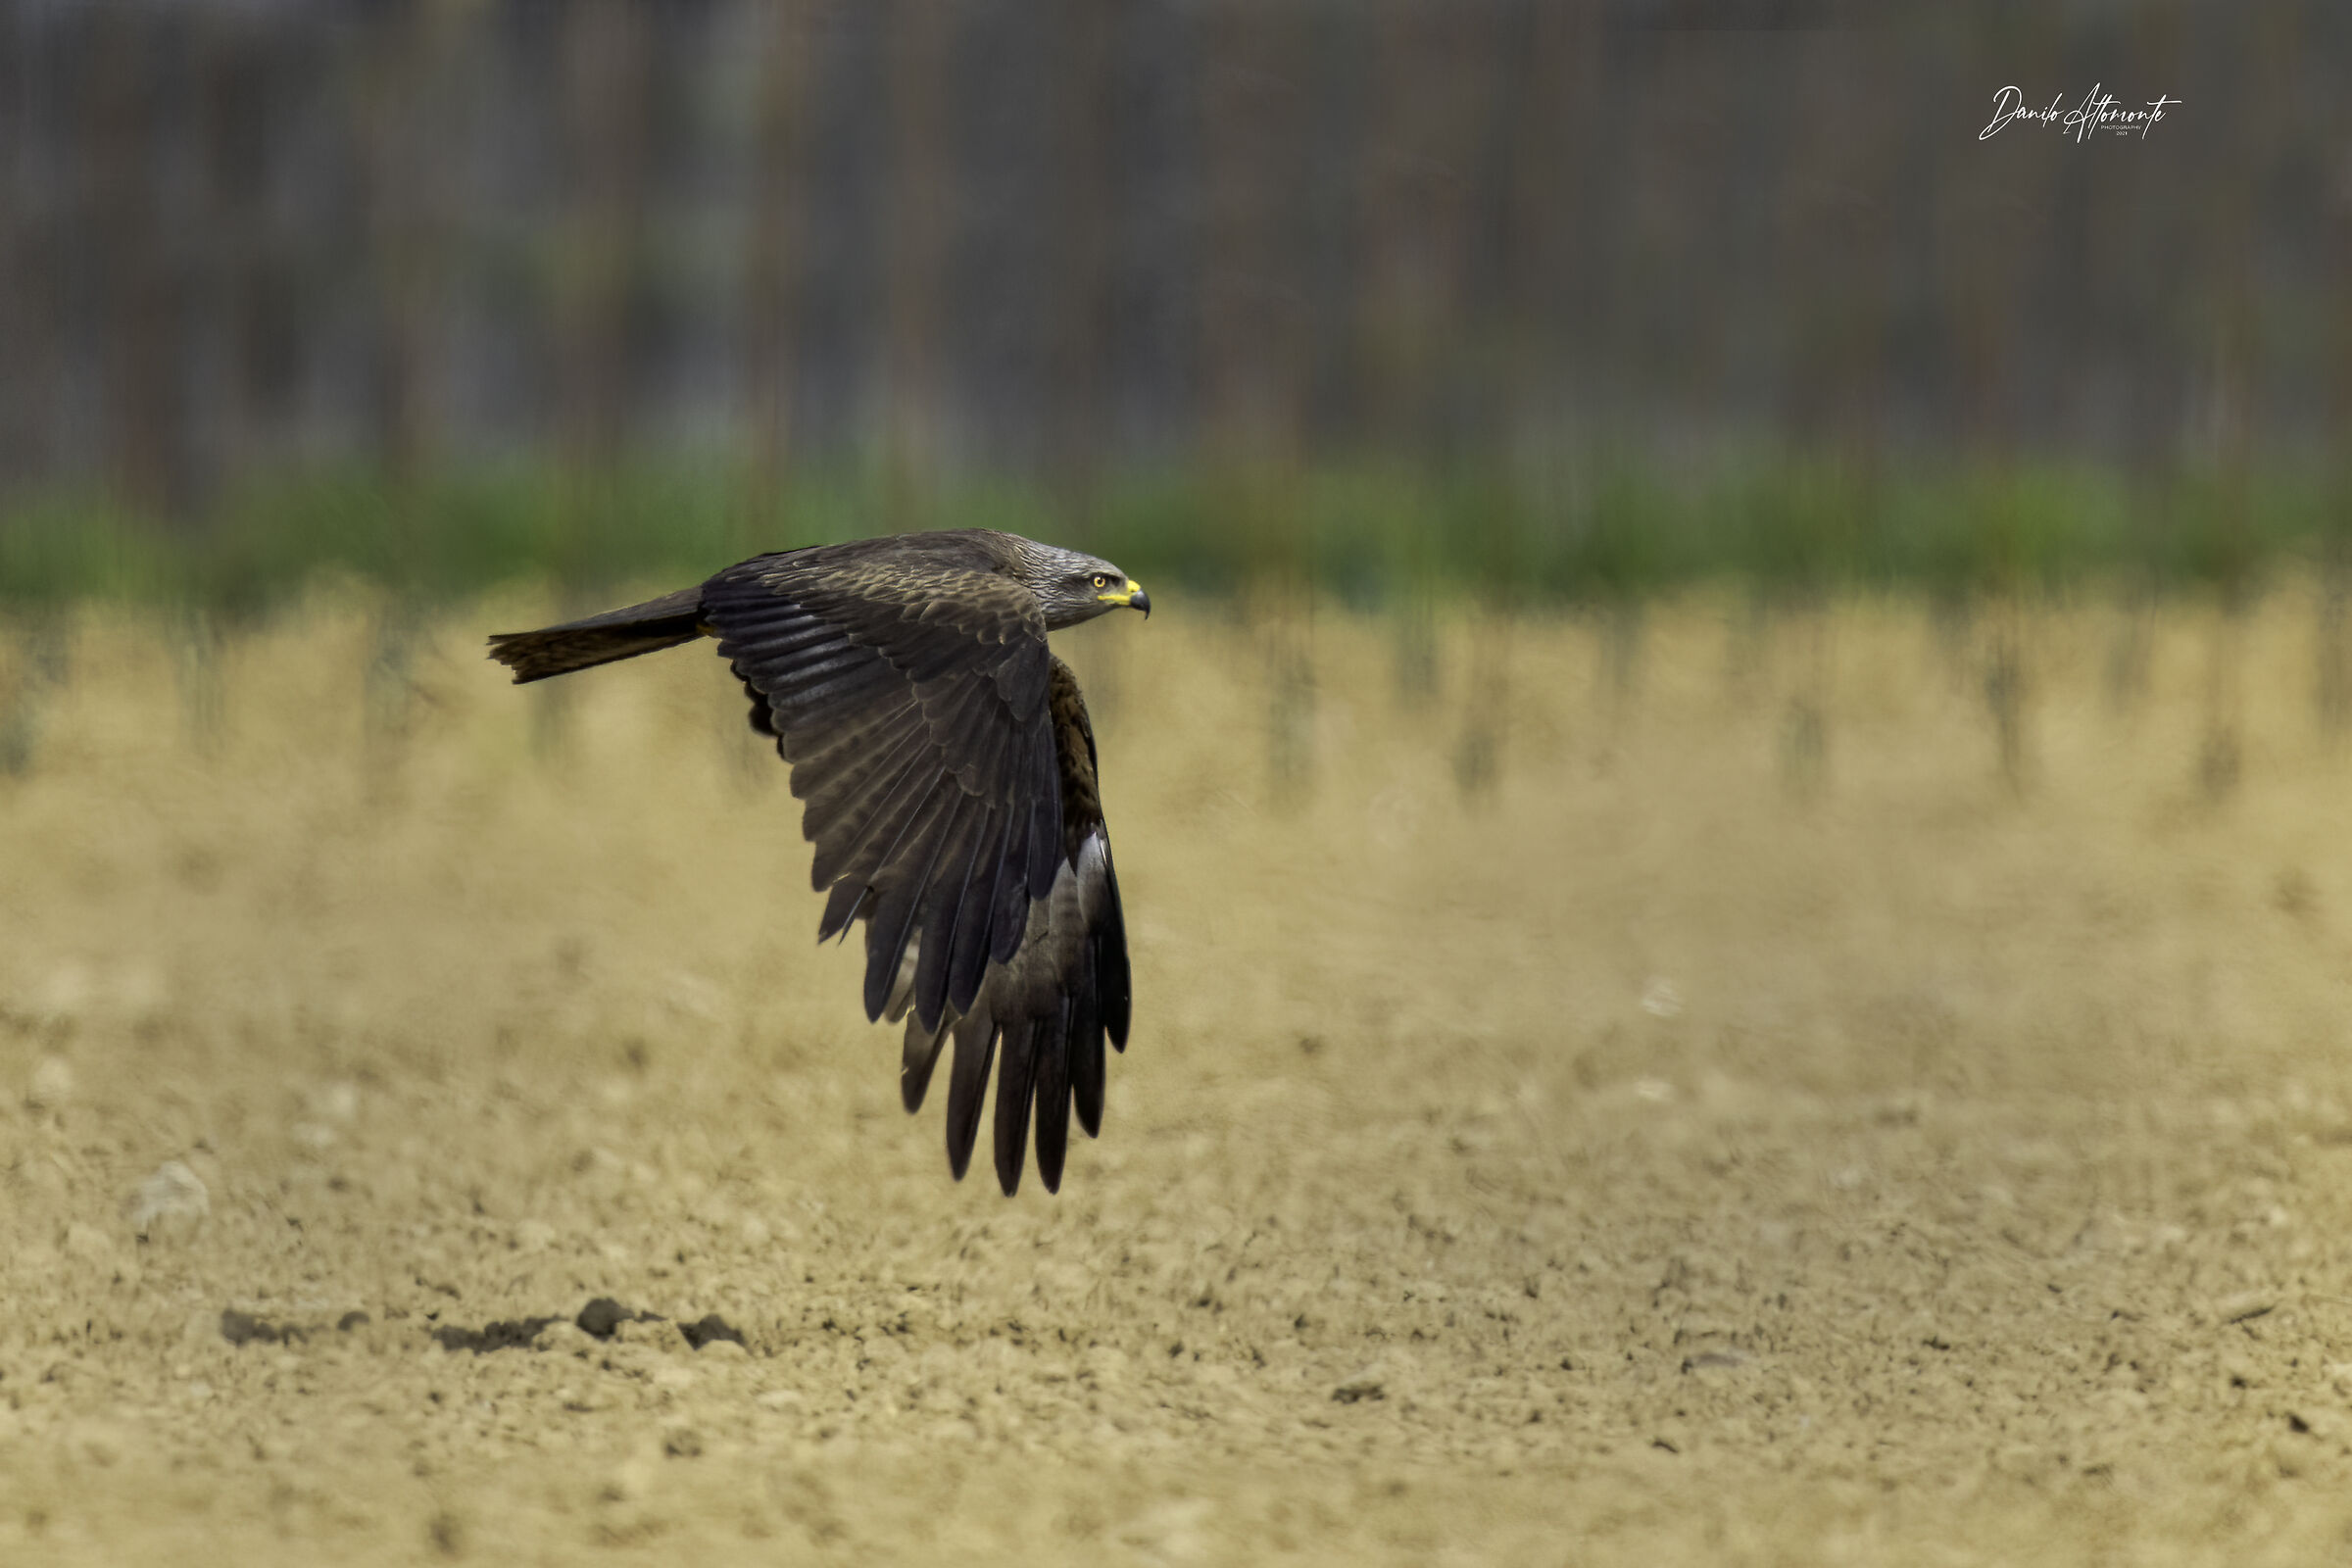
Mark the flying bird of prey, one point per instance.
(948, 769)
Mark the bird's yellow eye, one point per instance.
(1101, 581)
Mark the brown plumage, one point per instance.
(947, 771)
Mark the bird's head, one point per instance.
(1071, 587)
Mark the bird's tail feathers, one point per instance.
(662, 622)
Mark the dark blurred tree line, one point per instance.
(1060, 238)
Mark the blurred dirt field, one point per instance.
(1686, 1089)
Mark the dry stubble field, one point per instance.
(1741, 1125)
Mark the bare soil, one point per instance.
(1853, 1088)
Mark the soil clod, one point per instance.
(600, 1317)
(243, 1328)
(505, 1335)
(711, 1326)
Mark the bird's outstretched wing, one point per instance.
(947, 772)
(1051, 1009)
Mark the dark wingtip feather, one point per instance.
(1014, 1081)
(1081, 1062)
(944, 936)
(1116, 983)
(841, 907)
(931, 981)
(968, 961)
(1086, 1082)
(898, 910)
(918, 1059)
(968, 1084)
(1054, 1094)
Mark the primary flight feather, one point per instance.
(946, 767)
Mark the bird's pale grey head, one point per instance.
(1072, 587)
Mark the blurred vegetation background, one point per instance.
(1558, 300)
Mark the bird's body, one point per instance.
(948, 771)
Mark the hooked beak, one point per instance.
(1131, 596)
